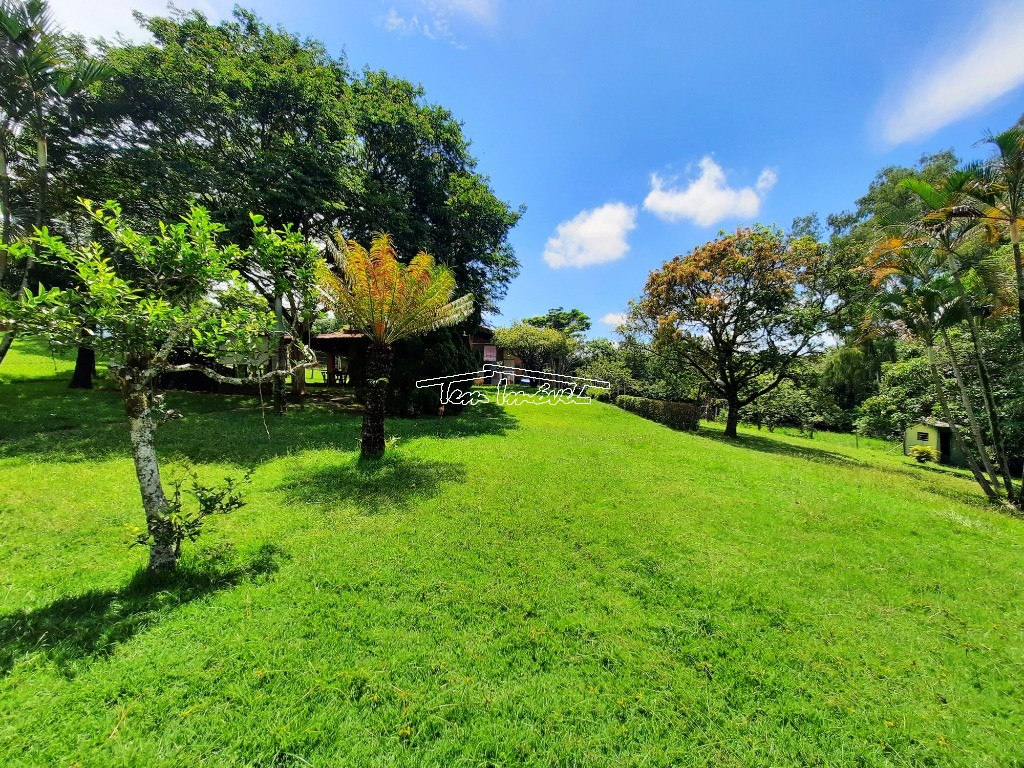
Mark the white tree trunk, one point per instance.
(163, 555)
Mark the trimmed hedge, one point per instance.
(675, 415)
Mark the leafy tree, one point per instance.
(237, 116)
(786, 405)
(888, 204)
(539, 348)
(417, 180)
(246, 117)
(161, 303)
(848, 375)
(388, 302)
(286, 270)
(740, 310)
(905, 395)
(573, 321)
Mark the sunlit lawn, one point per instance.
(549, 585)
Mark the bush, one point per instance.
(671, 414)
(924, 454)
(600, 395)
(441, 353)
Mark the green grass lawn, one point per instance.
(535, 585)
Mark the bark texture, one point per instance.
(378, 369)
(163, 555)
(732, 420)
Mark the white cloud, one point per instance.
(614, 318)
(591, 237)
(107, 18)
(434, 18)
(986, 64)
(708, 199)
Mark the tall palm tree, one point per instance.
(996, 198)
(388, 301)
(920, 307)
(946, 228)
(42, 81)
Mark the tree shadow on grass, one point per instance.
(393, 482)
(92, 625)
(54, 425)
(781, 448)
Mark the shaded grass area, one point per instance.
(531, 585)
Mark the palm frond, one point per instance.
(389, 301)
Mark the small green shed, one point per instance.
(933, 434)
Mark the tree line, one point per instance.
(909, 307)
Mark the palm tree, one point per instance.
(946, 227)
(920, 308)
(996, 198)
(388, 301)
(42, 81)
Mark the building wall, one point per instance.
(910, 437)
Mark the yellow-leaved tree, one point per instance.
(388, 301)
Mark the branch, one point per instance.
(309, 361)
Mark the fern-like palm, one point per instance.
(389, 301)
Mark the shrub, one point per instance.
(924, 454)
(600, 395)
(671, 414)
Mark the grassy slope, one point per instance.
(551, 585)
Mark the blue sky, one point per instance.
(633, 132)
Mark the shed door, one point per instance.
(944, 440)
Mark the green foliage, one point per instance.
(905, 395)
(441, 353)
(242, 115)
(160, 297)
(539, 348)
(924, 454)
(573, 321)
(683, 416)
(184, 522)
(740, 310)
(418, 181)
(786, 405)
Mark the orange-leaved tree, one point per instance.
(389, 301)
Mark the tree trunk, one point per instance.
(85, 369)
(278, 387)
(42, 153)
(991, 411)
(278, 395)
(299, 377)
(299, 383)
(5, 344)
(163, 554)
(954, 430)
(42, 158)
(5, 204)
(378, 369)
(972, 419)
(732, 419)
(1018, 265)
(5, 235)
